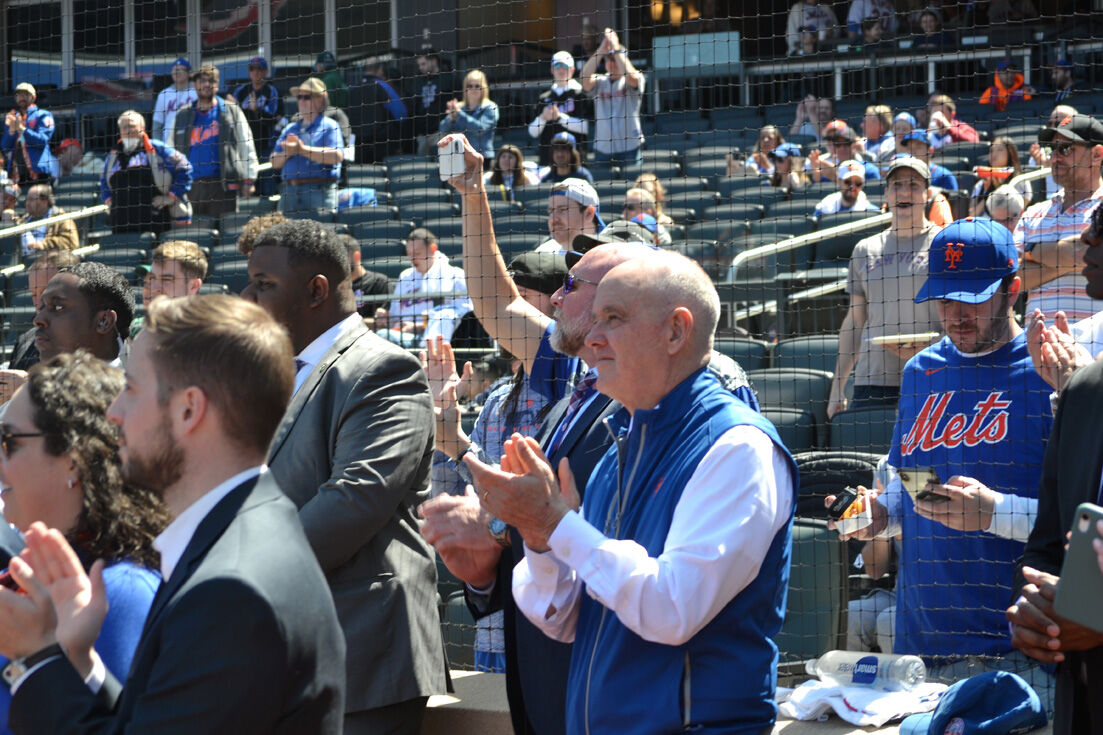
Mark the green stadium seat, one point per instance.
(866, 429)
(795, 388)
(796, 428)
(815, 614)
(813, 352)
(751, 354)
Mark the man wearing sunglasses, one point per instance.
(1048, 233)
(483, 551)
(850, 197)
(309, 153)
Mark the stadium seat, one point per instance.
(813, 193)
(395, 230)
(121, 256)
(975, 153)
(812, 352)
(711, 168)
(207, 287)
(720, 230)
(234, 274)
(204, 237)
(110, 240)
(795, 388)
(783, 227)
(663, 169)
(751, 354)
(421, 211)
(815, 615)
(797, 209)
(423, 194)
(522, 224)
(684, 184)
(533, 196)
(513, 244)
(796, 427)
(603, 171)
(824, 472)
(356, 215)
(733, 211)
(863, 429)
(695, 200)
(735, 187)
(446, 227)
(412, 180)
(390, 266)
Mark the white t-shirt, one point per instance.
(169, 102)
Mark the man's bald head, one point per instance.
(667, 281)
(652, 326)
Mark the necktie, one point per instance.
(582, 391)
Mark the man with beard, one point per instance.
(26, 140)
(973, 410)
(481, 550)
(851, 176)
(1048, 233)
(207, 385)
(216, 138)
(145, 182)
(353, 452)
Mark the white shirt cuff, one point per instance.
(98, 675)
(574, 540)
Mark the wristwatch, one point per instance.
(20, 666)
(499, 529)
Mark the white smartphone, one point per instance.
(452, 163)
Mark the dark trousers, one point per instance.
(210, 199)
(875, 395)
(402, 718)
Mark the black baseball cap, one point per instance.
(543, 272)
(1077, 128)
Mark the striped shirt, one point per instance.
(1046, 222)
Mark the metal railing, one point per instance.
(774, 306)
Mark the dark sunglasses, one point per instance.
(570, 280)
(1063, 148)
(853, 184)
(306, 96)
(6, 445)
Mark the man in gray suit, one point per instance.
(353, 452)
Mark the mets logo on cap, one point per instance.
(968, 260)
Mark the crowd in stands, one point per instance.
(296, 422)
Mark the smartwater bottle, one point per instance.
(884, 671)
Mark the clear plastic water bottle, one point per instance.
(885, 671)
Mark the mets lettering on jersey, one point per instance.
(987, 423)
(981, 416)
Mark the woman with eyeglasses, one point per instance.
(476, 117)
(1003, 165)
(59, 464)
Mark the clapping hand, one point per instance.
(79, 600)
(292, 146)
(1053, 350)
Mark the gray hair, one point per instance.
(1007, 198)
(135, 117)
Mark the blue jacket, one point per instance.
(478, 125)
(36, 137)
(723, 678)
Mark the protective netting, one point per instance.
(722, 128)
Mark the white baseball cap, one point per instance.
(848, 169)
(563, 57)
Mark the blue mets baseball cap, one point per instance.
(918, 135)
(992, 703)
(785, 150)
(968, 259)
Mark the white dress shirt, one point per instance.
(172, 542)
(737, 500)
(313, 353)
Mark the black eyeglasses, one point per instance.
(6, 445)
(570, 280)
(306, 97)
(853, 184)
(474, 86)
(1063, 148)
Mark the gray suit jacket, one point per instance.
(353, 452)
